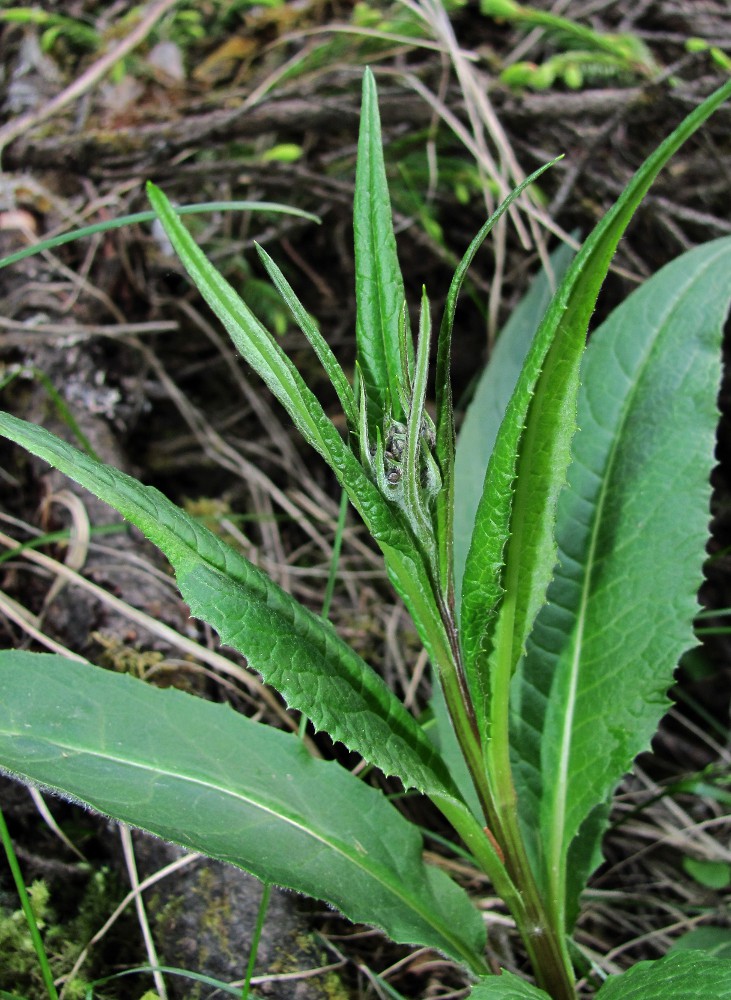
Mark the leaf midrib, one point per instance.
(356, 859)
(557, 826)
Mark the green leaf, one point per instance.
(442, 734)
(690, 975)
(446, 513)
(379, 287)
(506, 986)
(711, 874)
(511, 556)
(255, 343)
(265, 355)
(486, 411)
(295, 650)
(712, 940)
(321, 347)
(212, 780)
(631, 530)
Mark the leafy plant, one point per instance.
(576, 598)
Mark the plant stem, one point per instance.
(544, 937)
(27, 909)
(503, 859)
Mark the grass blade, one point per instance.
(150, 216)
(35, 934)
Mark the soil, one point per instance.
(111, 327)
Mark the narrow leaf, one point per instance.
(388, 527)
(379, 287)
(445, 445)
(486, 411)
(632, 528)
(321, 347)
(212, 780)
(511, 555)
(297, 651)
(149, 216)
(254, 342)
(266, 357)
(692, 975)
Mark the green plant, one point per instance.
(53, 27)
(575, 603)
(590, 54)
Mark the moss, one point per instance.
(217, 912)
(330, 984)
(19, 970)
(125, 659)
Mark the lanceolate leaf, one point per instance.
(445, 445)
(266, 357)
(692, 975)
(203, 776)
(379, 287)
(321, 347)
(632, 528)
(387, 526)
(511, 556)
(486, 411)
(301, 654)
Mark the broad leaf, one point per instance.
(511, 555)
(506, 986)
(295, 650)
(379, 287)
(632, 527)
(692, 975)
(212, 780)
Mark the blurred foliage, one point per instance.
(586, 55)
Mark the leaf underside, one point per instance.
(204, 776)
